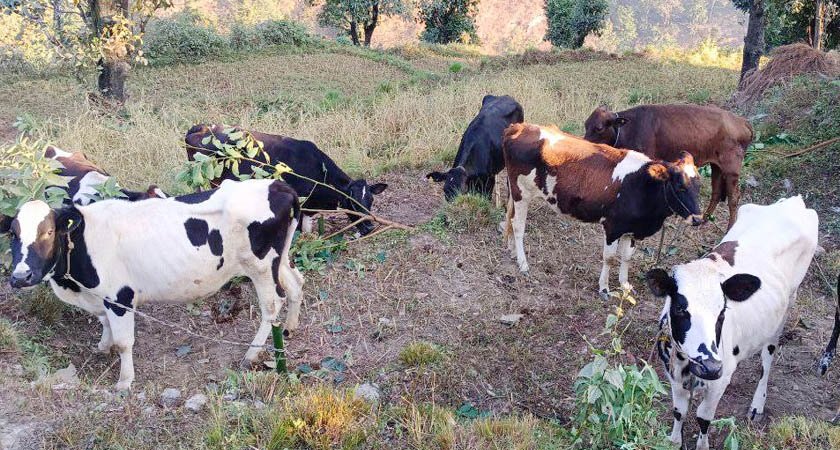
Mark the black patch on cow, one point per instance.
(275, 273)
(735, 351)
(271, 233)
(753, 414)
(686, 370)
(719, 325)
(704, 350)
(680, 357)
(771, 348)
(197, 231)
(197, 197)
(214, 239)
(221, 263)
(677, 415)
(680, 317)
(124, 297)
(704, 425)
(82, 270)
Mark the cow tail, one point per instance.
(831, 348)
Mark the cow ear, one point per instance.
(5, 223)
(436, 176)
(378, 188)
(487, 98)
(67, 220)
(658, 171)
(620, 122)
(660, 283)
(686, 159)
(740, 287)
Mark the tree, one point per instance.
(814, 22)
(754, 40)
(107, 33)
(448, 20)
(570, 21)
(358, 18)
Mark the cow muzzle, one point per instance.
(709, 369)
(695, 220)
(22, 279)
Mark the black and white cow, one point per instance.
(629, 194)
(831, 348)
(83, 177)
(732, 304)
(479, 156)
(304, 158)
(162, 250)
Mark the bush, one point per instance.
(569, 21)
(182, 39)
(283, 32)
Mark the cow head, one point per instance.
(602, 126)
(455, 181)
(38, 237)
(695, 304)
(362, 193)
(680, 187)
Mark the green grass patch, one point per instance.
(9, 337)
(420, 353)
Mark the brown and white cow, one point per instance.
(713, 136)
(627, 192)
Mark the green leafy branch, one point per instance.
(26, 175)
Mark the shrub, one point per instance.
(182, 39)
(420, 353)
(569, 21)
(283, 32)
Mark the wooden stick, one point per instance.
(813, 147)
(362, 215)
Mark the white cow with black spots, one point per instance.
(116, 253)
(732, 304)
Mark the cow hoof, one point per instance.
(246, 365)
(605, 294)
(755, 417)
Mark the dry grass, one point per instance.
(8, 337)
(786, 62)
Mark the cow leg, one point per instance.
(681, 396)
(106, 341)
(760, 396)
(626, 246)
(270, 303)
(610, 252)
(717, 190)
(706, 409)
(733, 192)
(306, 223)
(122, 333)
(520, 214)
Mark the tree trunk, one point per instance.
(112, 76)
(371, 25)
(754, 40)
(354, 33)
(819, 23)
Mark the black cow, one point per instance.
(479, 156)
(305, 159)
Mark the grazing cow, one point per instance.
(831, 348)
(712, 135)
(479, 156)
(627, 192)
(732, 304)
(83, 176)
(305, 159)
(113, 254)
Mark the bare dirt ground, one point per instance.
(447, 288)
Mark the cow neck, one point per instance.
(61, 269)
(676, 197)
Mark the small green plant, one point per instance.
(26, 175)
(456, 67)
(332, 100)
(420, 353)
(616, 404)
(313, 253)
(700, 96)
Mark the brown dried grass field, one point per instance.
(416, 313)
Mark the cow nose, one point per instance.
(695, 220)
(21, 279)
(709, 369)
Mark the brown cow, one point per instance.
(627, 192)
(712, 135)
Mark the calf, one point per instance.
(479, 156)
(625, 191)
(114, 253)
(732, 304)
(306, 160)
(713, 136)
(83, 177)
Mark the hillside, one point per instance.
(417, 314)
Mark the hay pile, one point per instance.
(785, 63)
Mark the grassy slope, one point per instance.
(377, 122)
